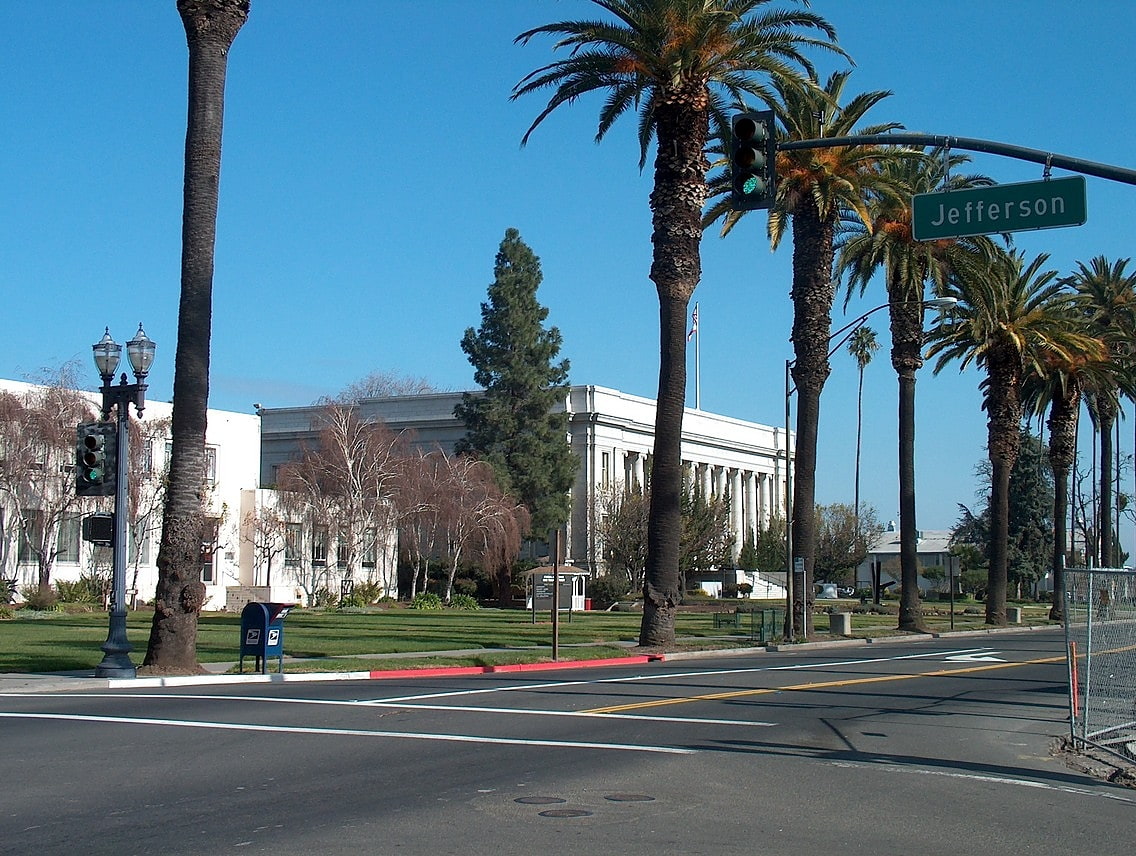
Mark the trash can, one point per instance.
(262, 634)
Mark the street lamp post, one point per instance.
(116, 661)
(794, 579)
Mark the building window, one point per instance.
(147, 454)
(67, 540)
(138, 545)
(319, 546)
(342, 545)
(605, 469)
(210, 535)
(210, 465)
(31, 536)
(293, 544)
(370, 547)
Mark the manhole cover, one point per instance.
(629, 798)
(539, 800)
(565, 812)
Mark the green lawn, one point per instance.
(63, 642)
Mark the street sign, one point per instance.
(999, 208)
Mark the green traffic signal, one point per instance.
(752, 160)
(96, 449)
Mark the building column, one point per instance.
(737, 510)
(751, 525)
(637, 476)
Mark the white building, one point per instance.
(612, 434)
(933, 550)
(232, 465)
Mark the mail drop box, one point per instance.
(262, 633)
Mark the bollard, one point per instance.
(840, 623)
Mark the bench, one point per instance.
(728, 619)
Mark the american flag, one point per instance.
(693, 323)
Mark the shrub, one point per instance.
(606, 590)
(367, 592)
(6, 612)
(39, 599)
(89, 588)
(464, 601)
(426, 600)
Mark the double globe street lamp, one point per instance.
(795, 594)
(116, 661)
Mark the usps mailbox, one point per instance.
(262, 633)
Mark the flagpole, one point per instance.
(697, 372)
(697, 376)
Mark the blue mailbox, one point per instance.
(262, 633)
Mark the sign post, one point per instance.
(999, 208)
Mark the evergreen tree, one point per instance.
(512, 425)
(1030, 542)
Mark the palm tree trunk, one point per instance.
(1004, 416)
(661, 593)
(1107, 420)
(682, 127)
(1062, 453)
(907, 341)
(859, 440)
(210, 26)
(812, 295)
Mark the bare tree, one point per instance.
(378, 384)
(37, 479)
(346, 483)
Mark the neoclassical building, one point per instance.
(612, 434)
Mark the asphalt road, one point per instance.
(925, 747)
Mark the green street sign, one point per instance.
(999, 208)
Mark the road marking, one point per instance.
(973, 658)
(580, 714)
(819, 685)
(350, 732)
(654, 676)
(999, 780)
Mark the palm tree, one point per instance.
(1108, 297)
(816, 188)
(861, 345)
(1060, 391)
(677, 63)
(1012, 319)
(888, 245)
(210, 27)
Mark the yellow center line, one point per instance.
(819, 685)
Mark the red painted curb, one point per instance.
(447, 671)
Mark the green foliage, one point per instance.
(368, 592)
(706, 540)
(426, 601)
(1030, 547)
(512, 425)
(89, 588)
(355, 600)
(606, 590)
(747, 558)
(464, 602)
(770, 546)
(44, 599)
(843, 541)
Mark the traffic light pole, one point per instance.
(116, 661)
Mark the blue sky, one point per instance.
(372, 163)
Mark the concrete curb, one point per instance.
(22, 684)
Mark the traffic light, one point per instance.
(753, 160)
(96, 458)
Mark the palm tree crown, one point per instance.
(675, 63)
(1012, 319)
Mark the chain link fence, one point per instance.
(1100, 635)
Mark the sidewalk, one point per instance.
(86, 681)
